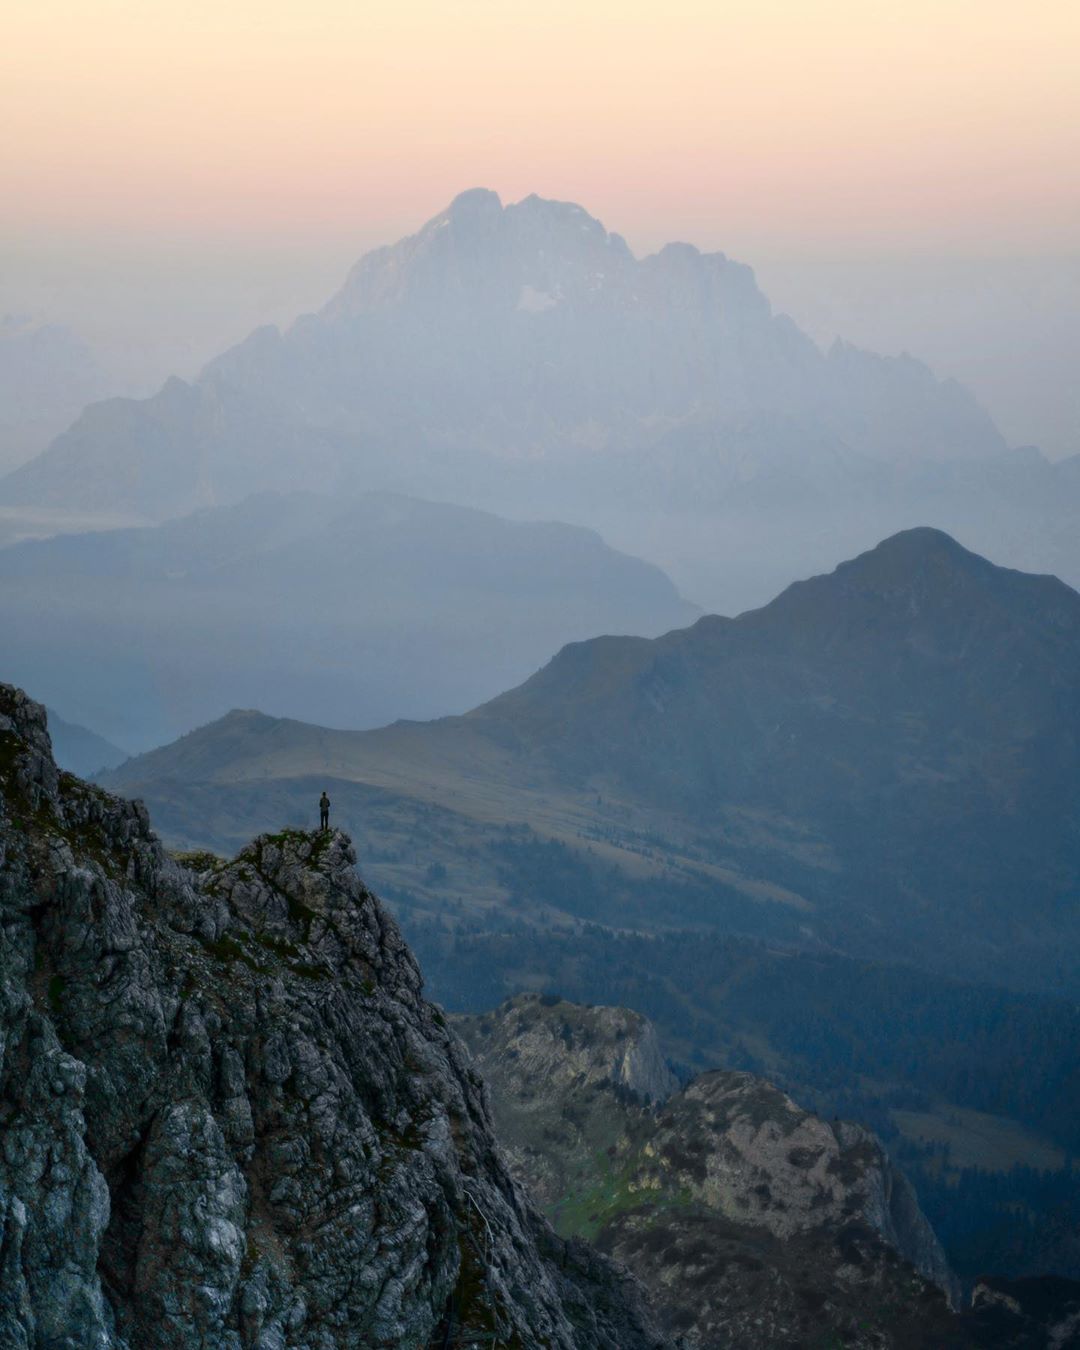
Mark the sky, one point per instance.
(176, 172)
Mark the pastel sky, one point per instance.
(175, 171)
(951, 121)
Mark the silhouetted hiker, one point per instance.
(324, 812)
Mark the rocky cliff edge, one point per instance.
(228, 1116)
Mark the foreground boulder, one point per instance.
(228, 1117)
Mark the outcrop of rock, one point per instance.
(228, 1117)
(1037, 1313)
(754, 1223)
(557, 1046)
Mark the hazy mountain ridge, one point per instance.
(363, 609)
(585, 347)
(80, 750)
(521, 354)
(47, 376)
(887, 755)
(520, 358)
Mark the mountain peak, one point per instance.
(247, 715)
(921, 550)
(679, 250)
(904, 726)
(474, 201)
(923, 580)
(501, 337)
(554, 210)
(922, 541)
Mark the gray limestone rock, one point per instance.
(753, 1223)
(229, 1118)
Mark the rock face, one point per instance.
(228, 1116)
(745, 1150)
(545, 1040)
(753, 1222)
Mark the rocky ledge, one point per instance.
(752, 1222)
(228, 1116)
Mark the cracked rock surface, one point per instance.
(229, 1118)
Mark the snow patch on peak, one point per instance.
(533, 301)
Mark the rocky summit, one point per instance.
(228, 1116)
(753, 1222)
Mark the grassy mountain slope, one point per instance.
(792, 839)
(884, 760)
(362, 609)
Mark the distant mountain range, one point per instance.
(81, 751)
(522, 359)
(47, 376)
(349, 612)
(884, 761)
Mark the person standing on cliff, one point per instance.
(324, 812)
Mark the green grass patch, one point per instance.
(610, 1192)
